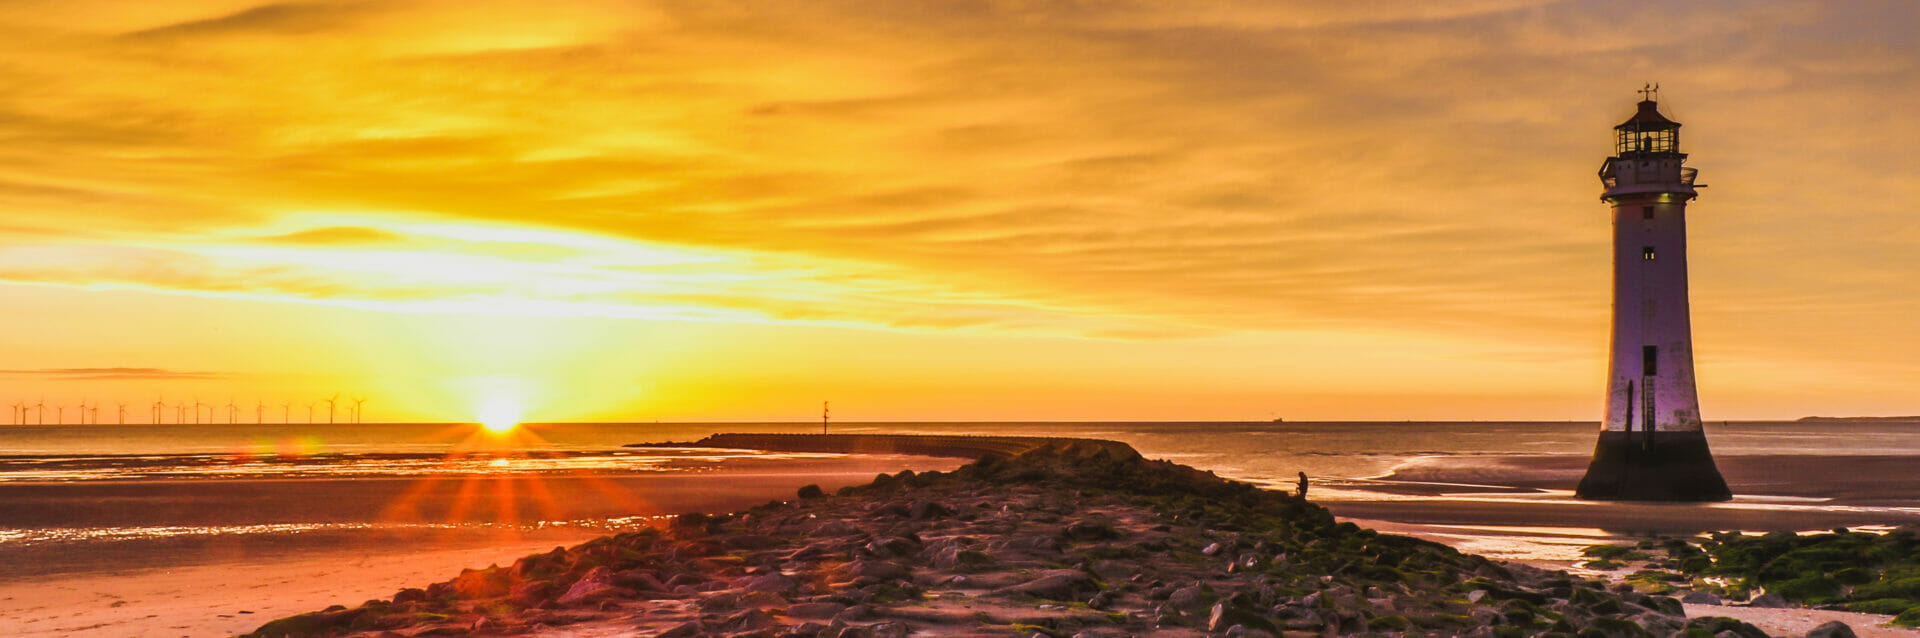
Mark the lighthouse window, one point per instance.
(1646, 253)
(1650, 360)
(1646, 212)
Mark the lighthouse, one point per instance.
(1651, 446)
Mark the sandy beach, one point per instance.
(1772, 493)
(222, 584)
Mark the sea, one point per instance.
(75, 498)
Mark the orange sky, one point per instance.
(927, 211)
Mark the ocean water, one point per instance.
(70, 494)
(1252, 451)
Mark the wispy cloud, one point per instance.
(110, 373)
(1088, 169)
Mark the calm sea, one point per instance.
(73, 492)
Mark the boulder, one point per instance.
(925, 509)
(826, 610)
(1225, 617)
(1056, 584)
(687, 629)
(586, 592)
(1701, 598)
(1832, 629)
(773, 582)
(1770, 601)
(639, 580)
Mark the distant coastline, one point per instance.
(1846, 419)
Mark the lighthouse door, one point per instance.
(1650, 367)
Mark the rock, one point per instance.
(639, 580)
(587, 592)
(751, 541)
(1722, 625)
(895, 547)
(410, 594)
(1090, 531)
(1769, 600)
(1831, 629)
(774, 582)
(1211, 549)
(1476, 595)
(749, 620)
(924, 509)
(720, 602)
(873, 570)
(1225, 617)
(684, 578)
(762, 600)
(1101, 600)
(826, 610)
(1190, 598)
(811, 491)
(1056, 584)
(855, 613)
(532, 592)
(1701, 598)
(687, 629)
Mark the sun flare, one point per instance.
(499, 417)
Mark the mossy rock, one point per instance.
(1605, 627)
(1888, 606)
(1715, 625)
(1812, 590)
(1389, 623)
(1908, 618)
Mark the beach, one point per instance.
(1772, 493)
(342, 542)
(186, 556)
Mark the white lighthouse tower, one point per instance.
(1651, 447)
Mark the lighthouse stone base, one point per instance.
(1656, 466)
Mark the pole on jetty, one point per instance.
(823, 416)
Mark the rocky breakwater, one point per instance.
(1056, 541)
(966, 447)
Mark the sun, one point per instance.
(499, 416)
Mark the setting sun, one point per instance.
(499, 416)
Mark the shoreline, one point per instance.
(1483, 497)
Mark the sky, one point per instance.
(712, 210)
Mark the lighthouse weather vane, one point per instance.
(1650, 91)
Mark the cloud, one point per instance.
(1089, 169)
(336, 235)
(110, 373)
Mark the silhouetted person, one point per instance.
(1303, 487)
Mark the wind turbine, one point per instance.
(43, 410)
(19, 415)
(123, 413)
(158, 408)
(286, 412)
(357, 411)
(196, 410)
(95, 413)
(59, 413)
(330, 406)
(259, 412)
(233, 411)
(310, 411)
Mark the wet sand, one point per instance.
(342, 541)
(1772, 493)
